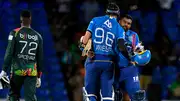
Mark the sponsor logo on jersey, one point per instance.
(103, 48)
(27, 36)
(26, 57)
(23, 36)
(10, 37)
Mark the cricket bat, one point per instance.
(87, 48)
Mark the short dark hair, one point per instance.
(112, 8)
(26, 14)
(126, 16)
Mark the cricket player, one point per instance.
(105, 33)
(126, 76)
(24, 55)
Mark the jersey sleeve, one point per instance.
(120, 32)
(9, 51)
(91, 25)
(39, 57)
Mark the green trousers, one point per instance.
(16, 83)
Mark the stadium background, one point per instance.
(62, 22)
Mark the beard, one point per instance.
(125, 28)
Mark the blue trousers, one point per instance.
(127, 80)
(99, 79)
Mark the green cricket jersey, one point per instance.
(24, 53)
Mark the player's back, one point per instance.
(104, 35)
(27, 42)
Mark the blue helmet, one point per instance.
(142, 58)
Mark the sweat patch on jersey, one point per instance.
(10, 37)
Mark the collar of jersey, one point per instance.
(25, 26)
(111, 17)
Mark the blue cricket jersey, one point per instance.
(132, 39)
(105, 32)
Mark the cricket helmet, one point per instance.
(142, 58)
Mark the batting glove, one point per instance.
(38, 82)
(2, 74)
(139, 48)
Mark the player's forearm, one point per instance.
(40, 64)
(7, 62)
(122, 48)
(8, 56)
(40, 59)
(39, 68)
(86, 37)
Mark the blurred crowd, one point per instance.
(157, 23)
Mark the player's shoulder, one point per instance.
(130, 32)
(15, 31)
(98, 18)
(101, 18)
(133, 32)
(37, 33)
(93, 20)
